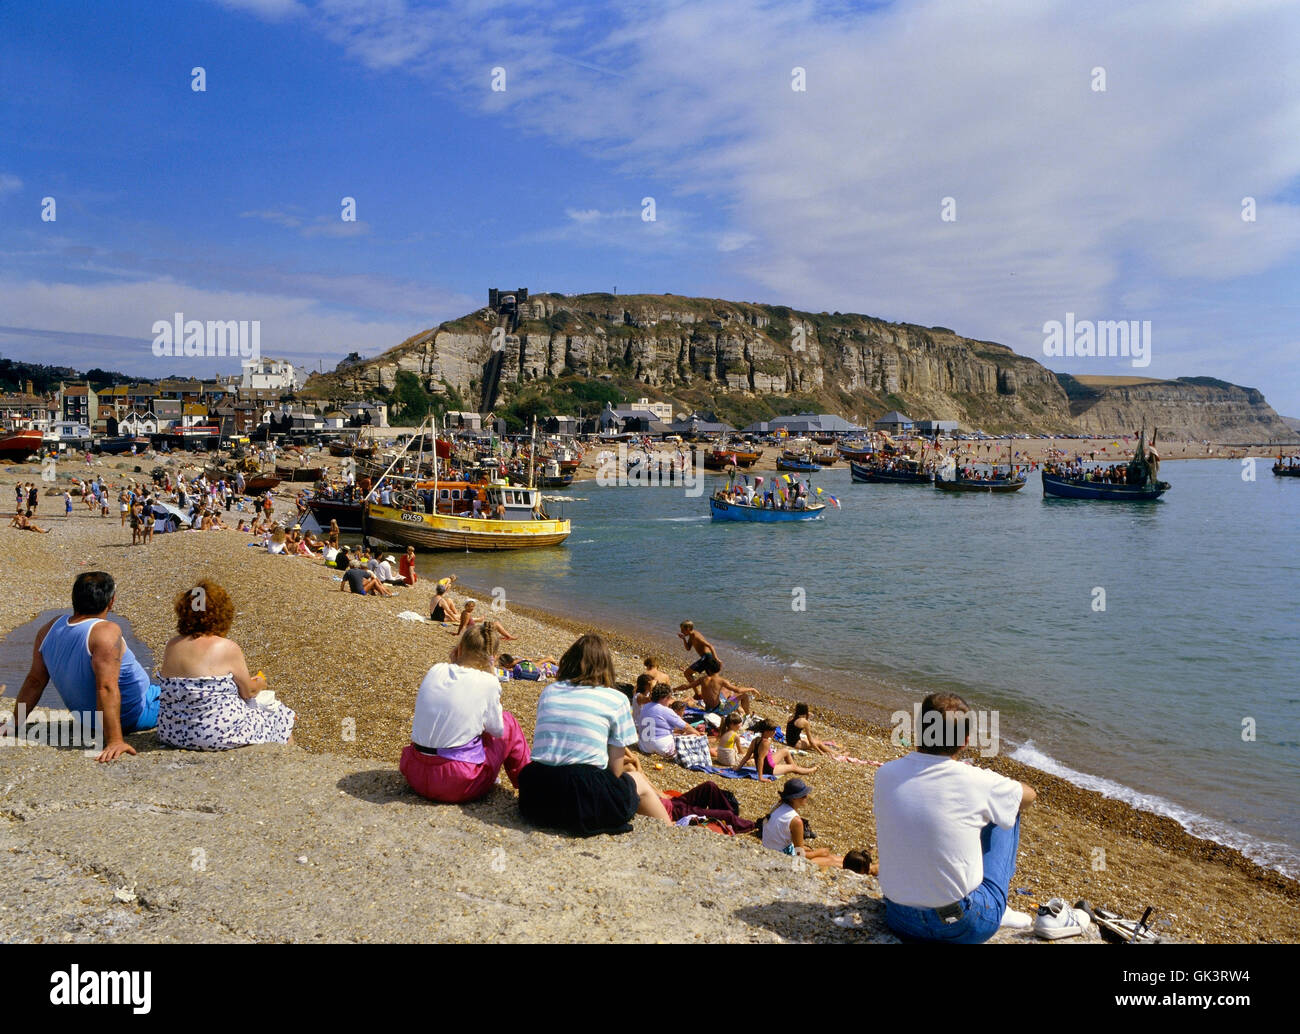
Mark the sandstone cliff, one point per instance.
(709, 352)
(1196, 408)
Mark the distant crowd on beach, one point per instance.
(947, 832)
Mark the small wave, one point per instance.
(1273, 855)
(679, 520)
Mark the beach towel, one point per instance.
(856, 761)
(692, 752)
(410, 615)
(731, 773)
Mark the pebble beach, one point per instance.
(350, 666)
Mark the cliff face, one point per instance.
(1193, 408)
(856, 365)
(850, 364)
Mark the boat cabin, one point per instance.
(520, 503)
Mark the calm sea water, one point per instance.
(909, 589)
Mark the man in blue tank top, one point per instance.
(92, 668)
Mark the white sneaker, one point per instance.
(1056, 920)
(1013, 920)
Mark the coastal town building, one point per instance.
(937, 427)
(138, 423)
(894, 422)
(270, 374)
(464, 421)
(23, 410)
(374, 414)
(79, 404)
(803, 423)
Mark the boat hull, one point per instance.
(427, 531)
(1286, 472)
(797, 467)
(979, 486)
(1056, 487)
(722, 510)
(20, 444)
(866, 475)
(350, 516)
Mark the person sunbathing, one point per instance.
(443, 606)
(798, 732)
(467, 620)
(770, 760)
(27, 524)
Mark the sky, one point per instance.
(988, 167)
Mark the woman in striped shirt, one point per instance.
(581, 778)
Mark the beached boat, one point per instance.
(288, 472)
(725, 509)
(1055, 486)
(121, 444)
(257, 483)
(18, 445)
(351, 517)
(859, 451)
(908, 474)
(799, 466)
(826, 457)
(525, 525)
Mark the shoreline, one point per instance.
(335, 657)
(863, 716)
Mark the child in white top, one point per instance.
(783, 827)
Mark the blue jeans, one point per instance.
(982, 908)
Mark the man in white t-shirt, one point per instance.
(947, 833)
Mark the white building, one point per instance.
(138, 423)
(663, 411)
(272, 374)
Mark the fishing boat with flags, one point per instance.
(775, 505)
(1140, 482)
(514, 518)
(901, 472)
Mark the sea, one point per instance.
(1149, 651)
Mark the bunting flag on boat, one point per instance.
(785, 478)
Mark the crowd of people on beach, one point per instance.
(947, 832)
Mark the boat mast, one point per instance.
(532, 452)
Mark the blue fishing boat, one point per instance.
(728, 510)
(1055, 486)
(1140, 482)
(905, 474)
(799, 466)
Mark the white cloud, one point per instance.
(9, 184)
(121, 316)
(271, 10)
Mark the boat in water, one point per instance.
(17, 446)
(525, 524)
(724, 509)
(907, 472)
(948, 479)
(553, 475)
(1286, 470)
(1055, 486)
(1140, 485)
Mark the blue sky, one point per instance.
(225, 204)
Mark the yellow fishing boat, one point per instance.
(514, 519)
